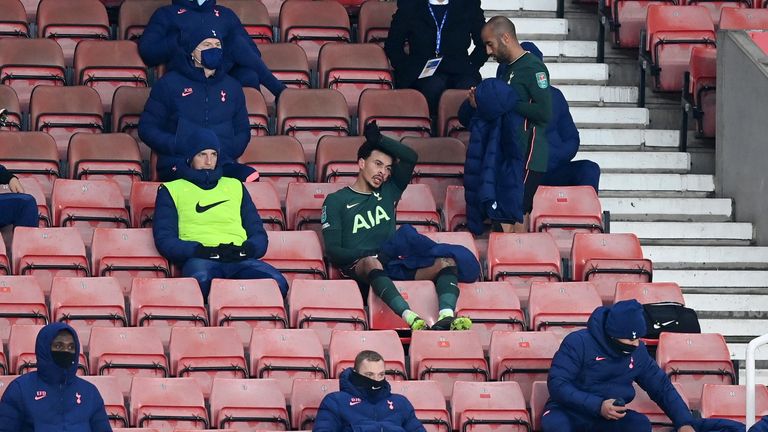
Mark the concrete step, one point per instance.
(519, 5)
(713, 279)
(539, 28)
(734, 327)
(638, 161)
(739, 352)
(736, 304)
(707, 257)
(610, 118)
(761, 376)
(668, 209)
(563, 73)
(691, 232)
(595, 94)
(629, 137)
(656, 184)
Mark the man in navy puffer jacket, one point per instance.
(160, 40)
(365, 402)
(596, 366)
(53, 398)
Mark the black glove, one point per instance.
(372, 133)
(208, 252)
(232, 253)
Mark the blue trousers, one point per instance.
(205, 270)
(18, 210)
(560, 420)
(575, 173)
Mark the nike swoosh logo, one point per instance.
(349, 206)
(37, 398)
(186, 93)
(354, 403)
(598, 358)
(203, 209)
(664, 324)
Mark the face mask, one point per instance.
(212, 58)
(621, 347)
(63, 359)
(364, 383)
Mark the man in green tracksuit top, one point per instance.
(358, 219)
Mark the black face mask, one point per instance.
(364, 383)
(63, 359)
(621, 347)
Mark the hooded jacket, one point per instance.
(52, 399)
(352, 409)
(587, 370)
(160, 41)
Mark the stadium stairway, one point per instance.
(664, 196)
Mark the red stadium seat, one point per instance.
(71, 22)
(246, 304)
(447, 357)
(5, 380)
(285, 355)
(258, 115)
(5, 266)
(630, 17)
(539, 397)
(14, 21)
(255, 18)
(9, 100)
(717, 7)
(127, 105)
(306, 395)
(109, 389)
(649, 292)
(48, 252)
(448, 115)
(142, 203)
(326, 306)
(288, 63)
(457, 238)
(729, 402)
(352, 68)
(167, 404)
(606, 259)
(563, 211)
(304, 202)
(280, 160)
(643, 404)
(251, 404)
(336, 159)
(113, 156)
(374, 21)
(134, 16)
(428, 403)
(167, 303)
(345, 345)
(455, 209)
(694, 360)
(495, 403)
(127, 254)
(561, 306)
(31, 155)
(702, 86)
(310, 114)
(421, 297)
(273, 7)
(441, 164)
(27, 63)
(523, 357)
(296, 254)
(399, 113)
(87, 205)
(65, 111)
(492, 306)
(21, 302)
(417, 207)
(743, 19)
(267, 202)
(312, 25)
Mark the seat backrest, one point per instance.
(127, 105)
(345, 345)
(492, 306)
(14, 21)
(399, 113)
(21, 348)
(523, 258)
(428, 403)
(304, 202)
(448, 115)
(374, 21)
(72, 21)
(703, 67)
(10, 101)
(297, 254)
(64, 111)
(181, 294)
(106, 65)
(62, 249)
(729, 402)
(447, 356)
(490, 403)
(288, 62)
(206, 353)
(352, 68)
(180, 399)
(134, 16)
(667, 18)
(256, 404)
(569, 207)
(743, 19)
(456, 238)
(310, 25)
(267, 201)
(258, 116)
(587, 246)
(417, 207)
(421, 298)
(21, 302)
(649, 292)
(336, 159)
(643, 404)
(306, 395)
(311, 113)
(88, 204)
(558, 305)
(539, 397)
(84, 302)
(514, 352)
(31, 155)
(113, 156)
(254, 16)
(284, 152)
(127, 253)
(246, 304)
(113, 348)
(441, 163)
(109, 390)
(142, 203)
(27, 63)
(455, 208)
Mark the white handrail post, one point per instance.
(753, 345)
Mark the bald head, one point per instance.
(501, 25)
(500, 39)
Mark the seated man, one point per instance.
(365, 401)
(208, 224)
(358, 225)
(592, 373)
(197, 91)
(563, 139)
(16, 208)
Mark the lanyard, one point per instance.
(439, 29)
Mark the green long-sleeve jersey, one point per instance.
(355, 224)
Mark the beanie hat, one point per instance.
(200, 139)
(533, 49)
(191, 39)
(626, 320)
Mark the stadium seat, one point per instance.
(5, 265)
(606, 259)
(352, 68)
(21, 302)
(5, 380)
(306, 395)
(27, 63)
(21, 351)
(134, 16)
(71, 22)
(107, 65)
(441, 164)
(649, 292)
(312, 25)
(113, 156)
(326, 306)
(743, 19)
(493, 403)
(304, 202)
(88, 204)
(280, 160)
(207, 353)
(310, 114)
(428, 403)
(48, 252)
(447, 357)
(729, 402)
(126, 353)
(492, 306)
(246, 304)
(629, 17)
(643, 404)
(421, 297)
(287, 354)
(336, 159)
(31, 155)
(127, 105)
(296, 254)
(87, 302)
(455, 209)
(345, 345)
(288, 63)
(13, 24)
(267, 202)
(417, 207)
(65, 111)
(167, 303)
(10, 101)
(539, 397)
(702, 86)
(523, 357)
(448, 115)
(167, 404)
(258, 115)
(717, 7)
(456, 238)
(142, 203)
(255, 18)
(127, 253)
(109, 389)
(374, 21)
(251, 404)
(563, 211)
(141, 429)
(671, 33)
(561, 306)
(521, 259)
(694, 360)
(399, 113)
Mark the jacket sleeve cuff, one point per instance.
(594, 404)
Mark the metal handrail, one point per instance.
(753, 345)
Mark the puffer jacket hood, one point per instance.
(49, 371)
(192, 4)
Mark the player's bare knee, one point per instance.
(366, 264)
(445, 262)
